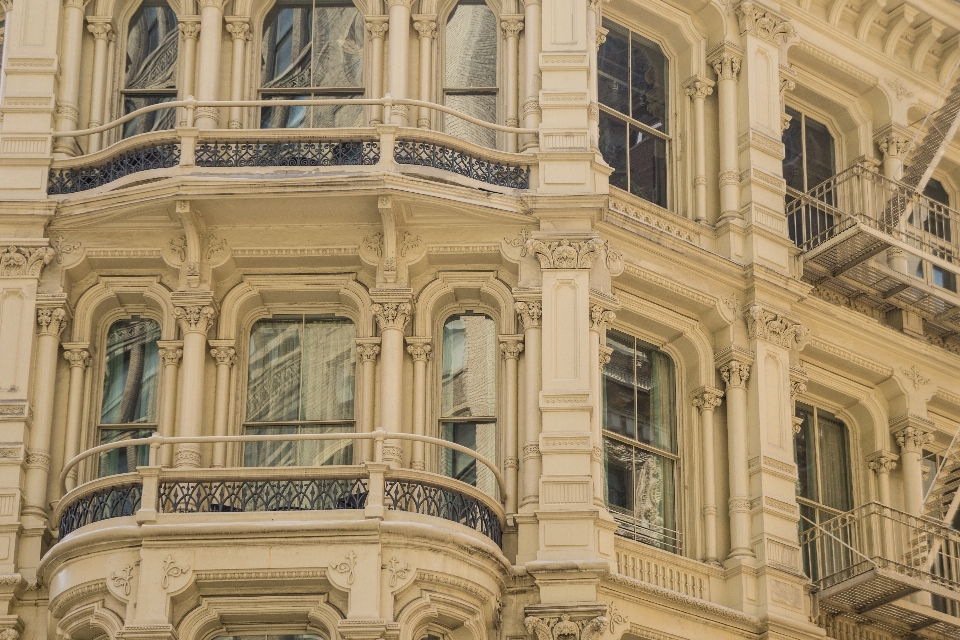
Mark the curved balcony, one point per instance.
(371, 487)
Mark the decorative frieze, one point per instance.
(764, 23)
(392, 315)
(24, 262)
(767, 325)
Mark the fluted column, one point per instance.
(882, 463)
(426, 26)
(190, 32)
(208, 80)
(421, 352)
(68, 96)
(530, 315)
(377, 28)
(194, 320)
(512, 25)
(101, 32)
(367, 351)
(226, 356)
(510, 349)
(727, 66)
(398, 47)
(912, 434)
(599, 318)
(697, 89)
(239, 32)
(735, 374)
(532, 16)
(391, 317)
(170, 352)
(706, 399)
(79, 358)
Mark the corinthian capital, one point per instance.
(19, 262)
(913, 432)
(377, 26)
(238, 30)
(224, 355)
(882, 462)
(707, 398)
(511, 347)
(77, 357)
(735, 374)
(771, 326)
(698, 88)
(189, 29)
(529, 313)
(195, 319)
(426, 26)
(100, 30)
(565, 254)
(419, 350)
(511, 24)
(171, 355)
(392, 315)
(51, 321)
(764, 23)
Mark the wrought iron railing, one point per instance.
(441, 502)
(293, 153)
(426, 154)
(321, 494)
(647, 533)
(121, 499)
(67, 180)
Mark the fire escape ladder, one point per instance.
(944, 123)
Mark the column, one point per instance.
(391, 317)
(195, 318)
(367, 351)
(398, 46)
(426, 26)
(735, 375)
(79, 359)
(882, 463)
(377, 28)
(727, 65)
(421, 352)
(697, 89)
(208, 80)
(101, 32)
(170, 351)
(239, 32)
(530, 314)
(593, 47)
(510, 349)
(68, 97)
(532, 13)
(893, 143)
(706, 399)
(912, 432)
(599, 318)
(512, 25)
(190, 30)
(226, 356)
(108, 88)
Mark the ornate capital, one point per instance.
(600, 317)
(224, 355)
(606, 354)
(77, 357)
(195, 319)
(913, 438)
(529, 313)
(768, 325)
(893, 144)
(19, 262)
(512, 25)
(707, 398)
(565, 254)
(764, 23)
(170, 355)
(798, 381)
(511, 348)
(400, 3)
(426, 26)
(419, 351)
(190, 29)
(563, 628)
(217, 4)
(726, 65)
(698, 88)
(51, 321)
(735, 374)
(238, 30)
(100, 30)
(392, 315)
(377, 26)
(601, 36)
(367, 352)
(786, 84)
(882, 462)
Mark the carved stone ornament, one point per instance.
(123, 579)
(884, 463)
(392, 315)
(224, 355)
(171, 570)
(511, 349)
(529, 313)
(24, 261)
(368, 352)
(707, 398)
(893, 145)
(377, 27)
(913, 439)
(418, 351)
(613, 612)
(397, 571)
(765, 24)
(915, 377)
(190, 29)
(726, 66)
(600, 317)
(735, 374)
(346, 566)
(563, 628)
(51, 321)
(699, 89)
(77, 357)
(768, 325)
(170, 355)
(565, 254)
(195, 319)
(427, 28)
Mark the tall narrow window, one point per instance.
(809, 160)
(312, 49)
(640, 442)
(301, 380)
(634, 131)
(151, 67)
(470, 71)
(130, 381)
(933, 216)
(468, 398)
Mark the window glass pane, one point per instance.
(273, 387)
(270, 454)
(125, 459)
(287, 42)
(935, 191)
(613, 148)
(346, 115)
(470, 55)
(284, 117)
(793, 147)
(619, 393)
(648, 166)
(482, 106)
(661, 415)
(321, 452)
(338, 54)
(329, 367)
(477, 436)
(834, 470)
(161, 120)
(613, 69)
(648, 78)
(131, 373)
(469, 374)
(152, 42)
(654, 492)
(806, 454)
(943, 278)
(619, 462)
(819, 153)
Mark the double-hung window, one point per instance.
(470, 71)
(640, 442)
(934, 216)
(809, 160)
(151, 67)
(300, 380)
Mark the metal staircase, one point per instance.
(943, 125)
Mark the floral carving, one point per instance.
(51, 321)
(124, 579)
(171, 570)
(397, 572)
(77, 357)
(770, 326)
(613, 613)
(913, 439)
(392, 315)
(346, 566)
(764, 24)
(368, 352)
(195, 319)
(511, 349)
(529, 313)
(24, 261)
(179, 247)
(419, 351)
(565, 254)
(408, 243)
(170, 355)
(735, 374)
(563, 628)
(600, 317)
(215, 245)
(224, 355)
(915, 377)
(707, 398)
(62, 247)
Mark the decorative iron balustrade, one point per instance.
(112, 502)
(414, 497)
(262, 495)
(426, 154)
(297, 153)
(75, 180)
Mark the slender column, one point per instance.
(735, 375)
(226, 357)
(510, 348)
(190, 31)
(377, 28)
(727, 66)
(882, 463)
(208, 80)
(593, 45)
(391, 317)
(238, 31)
(426, 26)
(170, 354)
(532, 14)
(911, 440)
(79, 359)
(108, 87)
(367, 351)
(421, 351)
(68, 98)
(530, 315)
(398, 46)
(894, 144)
(599, 318)
(101, 32)
(194, 320)
(512, 25)
(706, 399)
(697, 89)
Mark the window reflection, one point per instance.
(150, 75)
(470, 71)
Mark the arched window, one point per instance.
(468, 398)
(129, 406)
(470, 71)
(312, 49)
(809, 159)
(300, 380)
(150, 75)
(640, 441)
(634, 127)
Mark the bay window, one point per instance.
(470, 71)
(150, 75)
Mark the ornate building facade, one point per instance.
(479, 319)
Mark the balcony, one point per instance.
(899, 572)
(370, 489)
(845, 223)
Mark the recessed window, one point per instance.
(301, 380)
(150, 75)
(809, 159)
(470, 71)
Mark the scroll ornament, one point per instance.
(773, 327)
(24, 261)
(563, 628)
(565, 254)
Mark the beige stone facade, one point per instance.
(418, 319)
